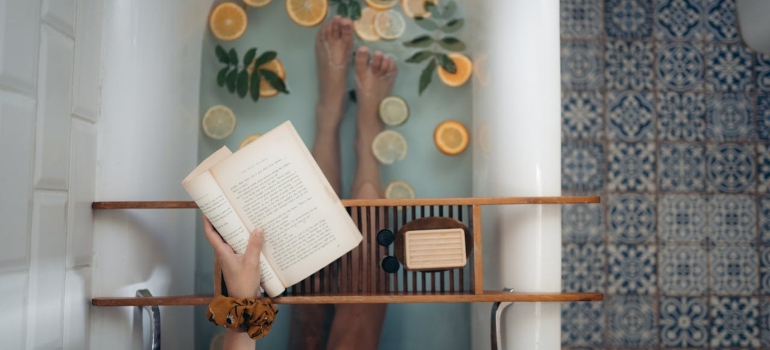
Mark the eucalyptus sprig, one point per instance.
(436, 45)
(240, 78)
(348, 8)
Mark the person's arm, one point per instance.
(241, 273)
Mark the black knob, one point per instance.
(385, 237)
(390, 264)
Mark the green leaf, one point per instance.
(426, 23)
(452, 44)
(447, 63)
(426, 75)
(355, 10)
(221, 76)
(242, 84)
(231, 77)
(233, 57)
(352, 95)
(265, 57)
(249, 56)
(453, 25)
(221, 55)
(274, 80)
(342, 9)
(429, 6)
(449, 10)
(420, 56)
(420, 41)
(255, 80)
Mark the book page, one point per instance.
(274, 183)
(212, 202)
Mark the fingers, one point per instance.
(256, 240)
(220, 247)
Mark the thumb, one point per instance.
(254, 248)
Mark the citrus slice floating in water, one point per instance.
(248, 139)
(265, 89)
(228, 21)
(464, 70)
(389, 146)
(218, 122)
(399, 190)
(256, 3)
(389, 24)
(364, 26)
(307, 13)
(416, 8)
(393, 110)
(382, 4)
(451, 137)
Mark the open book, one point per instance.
(274, 183)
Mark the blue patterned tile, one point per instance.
(681, 116)
(582, 324)
(582, 115)
(581, 19)
(729, 117)
(628, 65)
(682, 218)
(582, 267)
(581, 66)
(582, 166)
(763, 185)
(632, 321)
(631, 218)
(630, 116)
(765, 321)
(682, 167)
(684, 322)
(730, 168)
(734, 270)
(679, 20)
(764, 219)
(734, 322)
(582, 223)
(632, 269)
(729, 68)
(763, 71)
(628, 19)
(721, 24)
(683, 270)
(679, 66)
(763, 112)
(732, 219)
(631, 167)
(764, 269)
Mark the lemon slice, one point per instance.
(399, 190)
(364, 26)
(382, 4)
(219, 122)
(389, 25)
(248, 139)
(393, 110)
(256, 3)
(389, 146)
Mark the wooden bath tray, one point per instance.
(357, 277)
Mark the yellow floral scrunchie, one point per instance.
(255, 315)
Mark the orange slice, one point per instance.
(307, 13)
(451, 137)
(416, 8)
(265, 89)
(382, 4)
(464, 70)
(228, 21)
(256, 3)
(364, 26)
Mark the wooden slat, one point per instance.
(387, 298)
(373, 202)
(478, 274)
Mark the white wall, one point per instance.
(49, 107)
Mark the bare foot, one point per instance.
(375, 75)
(333, 44)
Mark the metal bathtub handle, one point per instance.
(154, 312)
(497, 312)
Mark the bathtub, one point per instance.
(149, 140)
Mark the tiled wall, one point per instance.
(666, 115)
(49, 102)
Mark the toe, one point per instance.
(362, 59)
(346, 29)
(377, 61)
(323, 32)
(391, 66)
(336, 31)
